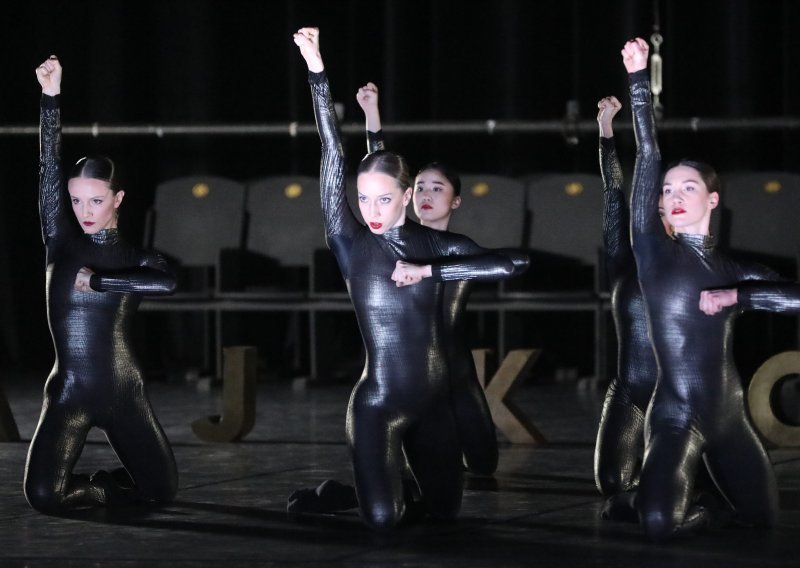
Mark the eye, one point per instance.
(97, 201)
(666, 191)
(362, 198)
(75, 201)
(385, 200)
(690, 188)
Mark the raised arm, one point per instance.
(338, 217)
(616, 224)
(645, 191)
(367, 97)
(53, 213)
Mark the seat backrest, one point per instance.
(565, 233)
(566, 215)
(195, 217)
(285, 219)
(762, 209)
(492, 211)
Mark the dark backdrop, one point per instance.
(233, 61)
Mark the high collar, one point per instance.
(105, 237)
(703, 245)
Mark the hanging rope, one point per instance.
(656, 68)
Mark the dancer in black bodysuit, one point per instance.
(437, 194)
(697, 413)
(400, 407)
(94, 285)
(620, 435)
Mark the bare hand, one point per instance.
(367, 97)
(607, 107)
(49, 76)
(713, 301)
(307, 39)
(82, 280)
(406, 274)
(634, 55)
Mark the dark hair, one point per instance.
(389, 163)
(449, 173)
(707, 173)
(96, 167)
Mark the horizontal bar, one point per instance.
(488, 127)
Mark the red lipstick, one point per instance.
(375, 225)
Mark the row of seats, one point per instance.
(268, 234)
(259, 246)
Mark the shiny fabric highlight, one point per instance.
(400, 408)
(697, 416)
(95, 380)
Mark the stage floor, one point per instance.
(540, 509)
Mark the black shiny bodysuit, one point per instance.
(400, 408)
(621, 432)
(473, 418)
(697, 413)
(95, 381)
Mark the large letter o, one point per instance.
(758, 399)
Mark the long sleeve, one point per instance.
(152, 278)
(646, 227)
(466, 260)
(338, 217)
(375, 141)
(770, 296)
(52, 193)
(616, 222)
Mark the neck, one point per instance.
(440, 225)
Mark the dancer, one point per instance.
(437, 194)
(400, 407)
(94, 285)
(697, 413)
(617, 455)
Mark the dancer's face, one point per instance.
(381, 201)
(434, 199)
(94, 203)
(687, 202)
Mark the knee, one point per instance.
(658, 526)
(42, 497)
(382, 519)
(165, 491)
(158, 486)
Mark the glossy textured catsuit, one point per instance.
(401, 403)
(95, 381)
(620, 434)
(473, 419)
(697, 413)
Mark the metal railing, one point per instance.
(487, 127)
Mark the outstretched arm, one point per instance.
(338, 217)
(367, 97)
(464, 260)
(779, 297)
(52, 193)
(152, 277)
(645, 192)
(616, 224)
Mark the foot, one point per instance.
(330, 497)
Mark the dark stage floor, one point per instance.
(540, 509)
